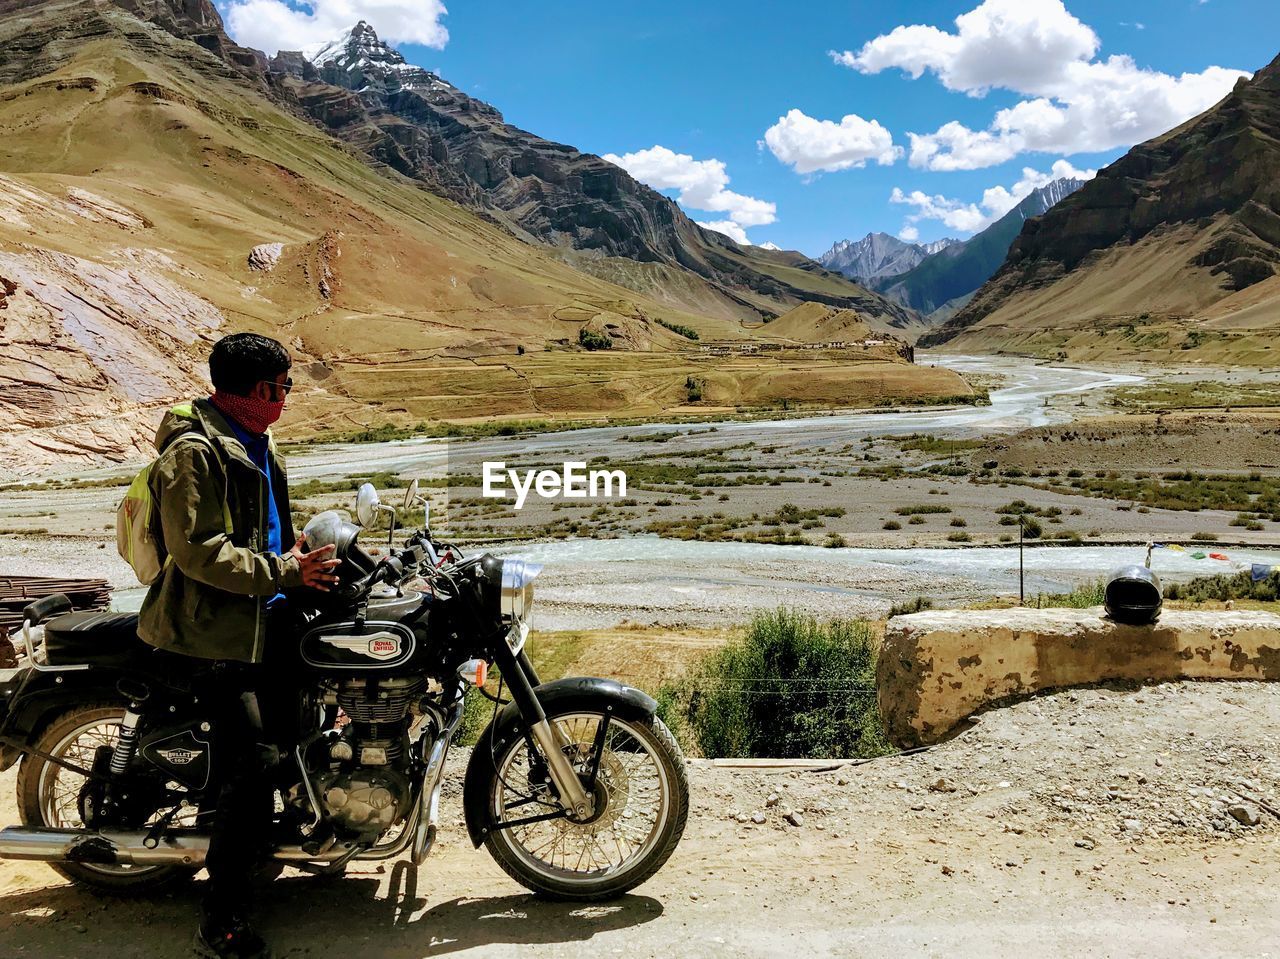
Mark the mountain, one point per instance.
(605, 222)
(1172, 251)
(878, 255)
(161, 186)
(943, 282)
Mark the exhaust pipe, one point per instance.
(38, 844)
(101, 848)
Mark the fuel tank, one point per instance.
(390, 636)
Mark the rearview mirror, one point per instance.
(412, 497)
(367, 505)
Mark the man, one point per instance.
(224, 517)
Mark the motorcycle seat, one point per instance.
(98, 638)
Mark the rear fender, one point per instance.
(36, 699)
(558, 697)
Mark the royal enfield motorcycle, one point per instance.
(575, 787)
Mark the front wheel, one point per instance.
(641, 805)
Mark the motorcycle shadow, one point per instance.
(404, 924)
(306, 916)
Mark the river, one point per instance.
(644, 579)
(1026, 399)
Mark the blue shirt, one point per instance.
(256, 446)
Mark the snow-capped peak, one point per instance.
(330, 50)
(359, 51)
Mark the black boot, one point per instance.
(229, 937)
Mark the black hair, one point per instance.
(241, 361)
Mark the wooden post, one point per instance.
(1022, 568)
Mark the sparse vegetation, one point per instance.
(688, 332)
(932, 444)
(917, 605)
(1202, 394)
(1242, 585)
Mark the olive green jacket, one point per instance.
(210, 599)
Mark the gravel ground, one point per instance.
(1098, 822)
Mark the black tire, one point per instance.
(665, 751)
(115, 880)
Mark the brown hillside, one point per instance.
(138, 171)
(1173, 248)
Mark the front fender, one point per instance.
(558, 697)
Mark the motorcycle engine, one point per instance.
(364, 803)
(364, 790)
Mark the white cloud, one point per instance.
(908, 234)
(730, 229)
(1013, 44)
(701, 185)
(1078, 104)
(823, 146)
(273, 25)
(996, 201)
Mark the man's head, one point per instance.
(250, 365)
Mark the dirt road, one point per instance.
(1091, 823)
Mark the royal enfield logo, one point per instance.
(179, 756)
(378, 646)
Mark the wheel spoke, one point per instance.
(631, 792)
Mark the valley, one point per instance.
(839, 514)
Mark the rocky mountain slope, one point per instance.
(1174, 248)
(364, 92)
(158, 187)
(879, 255)
(943, 282)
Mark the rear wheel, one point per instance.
(642, 803)
(48, 795)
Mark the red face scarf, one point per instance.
(253, 414)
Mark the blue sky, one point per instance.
(706, 82)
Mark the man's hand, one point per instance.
(316, 565)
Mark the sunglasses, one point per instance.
(287, 385)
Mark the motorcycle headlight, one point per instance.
(517, 589)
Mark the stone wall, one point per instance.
(937, 668)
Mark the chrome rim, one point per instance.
(633, 786)
(59, 788)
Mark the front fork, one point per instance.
(518, 673)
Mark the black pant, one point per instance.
(242, 787)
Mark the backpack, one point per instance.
(138, 537)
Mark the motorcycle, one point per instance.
(576, 788)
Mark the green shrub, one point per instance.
(921, 510)
(1221, 588)
(590, 340)
(893, 524)
(791, 687)
(1083, 597)
(688, 332)
(917, 605)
